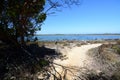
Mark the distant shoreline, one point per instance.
(56, 37)
(70, 34)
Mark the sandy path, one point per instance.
(77, 56)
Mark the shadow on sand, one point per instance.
(19, 64)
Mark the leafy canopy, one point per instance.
(21, 18)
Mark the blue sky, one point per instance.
(92, 16)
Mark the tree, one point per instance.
(21, 18)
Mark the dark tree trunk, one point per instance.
(22, 40)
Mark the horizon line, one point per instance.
(81, 34)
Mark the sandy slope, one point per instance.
(77, 57)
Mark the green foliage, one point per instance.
(116, 48)
(41, 17)
(21, 18)
(43, 62)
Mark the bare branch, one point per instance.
(57, 4)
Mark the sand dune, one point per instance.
(77, 57)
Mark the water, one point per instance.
(76, 37)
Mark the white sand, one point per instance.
(77, 57)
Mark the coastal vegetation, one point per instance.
(20, 19)
(23, 59)
(17, 64)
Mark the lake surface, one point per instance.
(76, 37)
